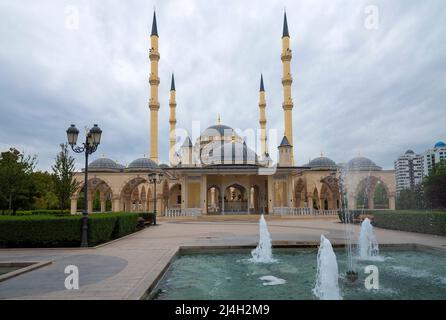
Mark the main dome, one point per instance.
(219, 130)
(230, 153)
(322, 163)
(104, 164)
(362, 164)
(142, 164)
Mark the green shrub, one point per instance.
(43, 212)
(39, 231)
(63, 231)
(125, 224)
(148, 216)
(100, 228)
(431, 222)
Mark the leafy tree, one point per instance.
(63, 171)
(411, 199)
(17, 189)
(380, 197)
(45, 197)
(435, 187)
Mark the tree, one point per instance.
(434, 186)
(380, 197)
(411, 199)
(17, 189)
(45, 197)
(63, 171)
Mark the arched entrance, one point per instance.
(175, 196)
(100, 197)
(330, 195)
(372, 193)
(235, 199)
(299, 194)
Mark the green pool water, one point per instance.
(4, 270)
(402, 275)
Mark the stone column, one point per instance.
(116, 206)
(183, 193)
(103, 205)
(90, 204)
(203, 195)
(309, 200)
(352, 202)
(290, 192)
(73, 207)
(270, 194)
(392, 201)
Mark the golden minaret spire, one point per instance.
(287, 80)
(262, 120)
(172, 122)
(154, 83)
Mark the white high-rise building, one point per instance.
(408, 171)
(433, 156)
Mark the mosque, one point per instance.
(219, 174)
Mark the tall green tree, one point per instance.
(45, 197)
(434, 186)
(63, 171)
(17, 188)
(411, 199)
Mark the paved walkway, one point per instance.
(126, 268)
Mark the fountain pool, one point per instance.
(403, 274)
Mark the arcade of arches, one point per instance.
(236, 191)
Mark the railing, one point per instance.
(178, 212)
(289, 211)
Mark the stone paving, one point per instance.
(126, 268)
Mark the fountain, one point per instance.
(263, 252)
(367, 244)
(327, 286)
(351, 274)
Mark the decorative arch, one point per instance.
(330, 194)
(299, 193)
(175, 197)
(364, 193)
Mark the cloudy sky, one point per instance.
(369, 76)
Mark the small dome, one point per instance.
(142, 164)
(164, 166)
(410, 152)
(104, 164)
(440, 144)
(362, 164)
(322, 163)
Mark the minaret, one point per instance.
(287, 80)
(154, 83)
(262, 121)
(172, 122)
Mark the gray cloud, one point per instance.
(377, 92)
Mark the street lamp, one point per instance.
(155, 178)
(92, 141)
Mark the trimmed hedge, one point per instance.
(41, 212)
(64, 231)
(36, 231)
(125, 224)
(148, 216)
(430, 222)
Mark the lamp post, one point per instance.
(92, 141)
(155, 178)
